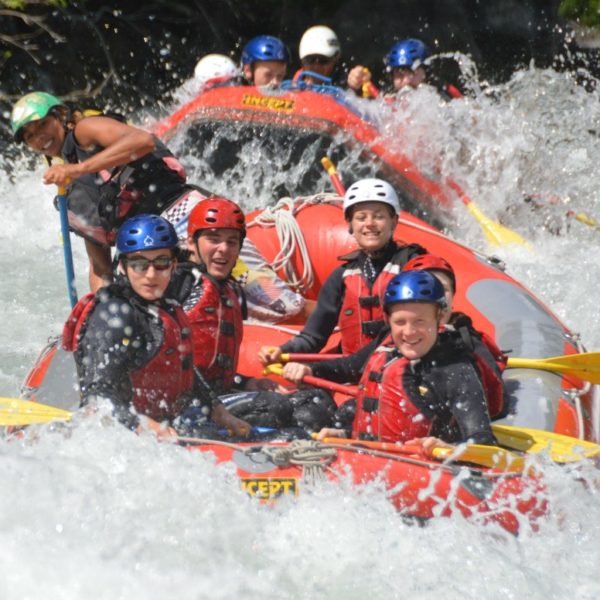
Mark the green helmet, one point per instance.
(31, 107)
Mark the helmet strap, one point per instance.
(201, 263)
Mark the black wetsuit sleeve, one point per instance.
(468, 404)
(346, 369)
(323, 320)
(111, 347)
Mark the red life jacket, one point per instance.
(158, 384)
(384, 411)
(361, 315)
(217, 329)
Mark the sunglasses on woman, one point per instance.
(316, 59)
(140, 264)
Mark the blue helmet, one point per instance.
(145, 232)
(407, 53)
(414, 286)
(264, 47)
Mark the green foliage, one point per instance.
(585, 12)
(22, 4)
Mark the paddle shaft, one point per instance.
(66, 241)
(348, 390)
(308, 357)
(382, 446)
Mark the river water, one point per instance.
(94, 511)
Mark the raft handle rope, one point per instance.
(282, 216)
(313, 456)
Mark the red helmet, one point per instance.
(216, 213)
(431, 262)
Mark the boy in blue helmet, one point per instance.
(132, 344)
(418, 385)
(265, 60)
(405, 62)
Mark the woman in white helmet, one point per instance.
(319, 53)
(214, 69)
(351, 296)
(211, 70)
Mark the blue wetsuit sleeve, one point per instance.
(323, 320)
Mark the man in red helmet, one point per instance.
(215, 305)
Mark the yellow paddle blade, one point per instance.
(585, 366)
(583, 218)
(15, 412)
(561, 448)
(497, 235)
(487, 456)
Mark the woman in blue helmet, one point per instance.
(111, 171)
(418, 384)
(132, 344)
(265, 60)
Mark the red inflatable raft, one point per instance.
(416, 486)
(301, 123)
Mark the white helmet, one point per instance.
(319, 40)
(371, 190)
(214, 66)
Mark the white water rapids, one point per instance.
(101, 513)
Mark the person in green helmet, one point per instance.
(111, 170)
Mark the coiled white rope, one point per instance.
(313, 456)
(282, 216)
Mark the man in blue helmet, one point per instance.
(132, 344)
(265, 60)
(417, 384)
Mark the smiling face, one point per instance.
(372, 225)
(218, 249)
(414, 327)
(45, 136)
(151, 283)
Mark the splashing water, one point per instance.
(97, 512)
